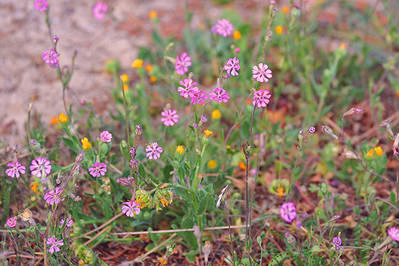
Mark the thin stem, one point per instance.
(126, 115)
(247, 196)
(163, 243)
(179, 230)
(100, 227)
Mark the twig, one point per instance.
(113, 167)
(45, 252)
(142, 257)
(22, 256)
(97, 235)
(98, 228)
(179, 230)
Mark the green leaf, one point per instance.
(393, 198)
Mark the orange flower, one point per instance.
(242, 166)
(152, 14)
(148, 68)
(54, 120)
(33, 187)
(285, 9)
(280, 191)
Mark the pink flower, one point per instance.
(169, 117)
(54, 244)
(130, 208)
(105, 136)
(99, 10)
(199, 97)
(393, 232)
(50, 57)
(69, 222)
(182, 63)
(237, 50)
(41, 5)
(232, 66)
(16, 169)
(40, 167)
(98, 169)
(219, 95)
(261, 98)
(54, 196)
(188, 89)
(288, 212)
(261, 73)
(11, 222)
(153, 151)
(223, 27)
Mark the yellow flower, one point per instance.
(153, 79)
(164, 202)
(180, 149)
(216, 114)
(141, 203)
(125, 87)
(279, 30)
(125, 78)
(63, 118)
(285, 9)
(342, 46)
(86, 144)
(54, 120)
(152, 14)
(212, 164)
(378, 150)
(138, 63)
(207, 132)
(237, 35)
(370, 153)
(148, 68)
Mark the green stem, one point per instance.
(126, 115)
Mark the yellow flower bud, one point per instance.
(125, 78)
(207, 132)
(138, 63)
(63, 118)
(237, 35)
(378, 150)
(180, 149)
(212, 164)
(216, 114)
(86, 144)
(279, 30)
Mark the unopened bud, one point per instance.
(139, 130)
(327, 130)
(353, 111)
